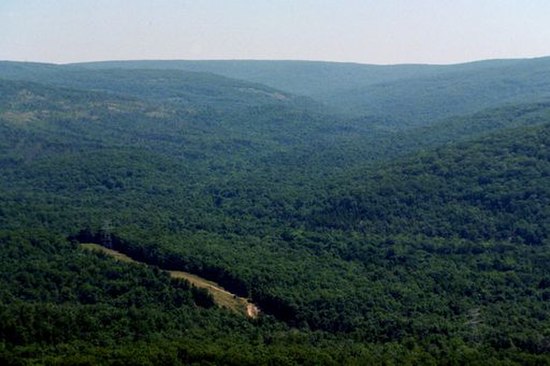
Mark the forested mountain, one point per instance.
(405, 95)
(363, 239)
(421, 100)
(313, 78)
(401, 96)
(180, 87)
(310, 78)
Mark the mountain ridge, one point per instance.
(364, 240)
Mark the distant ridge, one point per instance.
(411, 93)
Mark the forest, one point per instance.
(375, 214)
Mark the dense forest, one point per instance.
(377, 215)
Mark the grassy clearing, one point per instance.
(113, 253)
(221, 296)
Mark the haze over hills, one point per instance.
(402, 95)
(413, 94)
(311, 78)
(182, 87)
(410, 228)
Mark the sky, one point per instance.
(363, 31)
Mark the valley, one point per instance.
(375, 214)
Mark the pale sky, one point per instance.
(364, 31)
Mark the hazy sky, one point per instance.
(366, 31)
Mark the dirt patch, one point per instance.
(252, 310)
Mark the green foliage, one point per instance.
(362, 245)
(474, 191)
(401, 95)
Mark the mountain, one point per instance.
(480, 190)
(397, 96)
(360, 243)
(461, 90)
(310, 78)
(408, 95)
(187, 89)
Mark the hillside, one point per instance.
(310, 78)
(396, 96)
(474, 191)
(459, 91)
(187, 89)
(360, 244)
(405, 95)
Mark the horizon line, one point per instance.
(275, 60)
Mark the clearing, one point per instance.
(221, 296)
